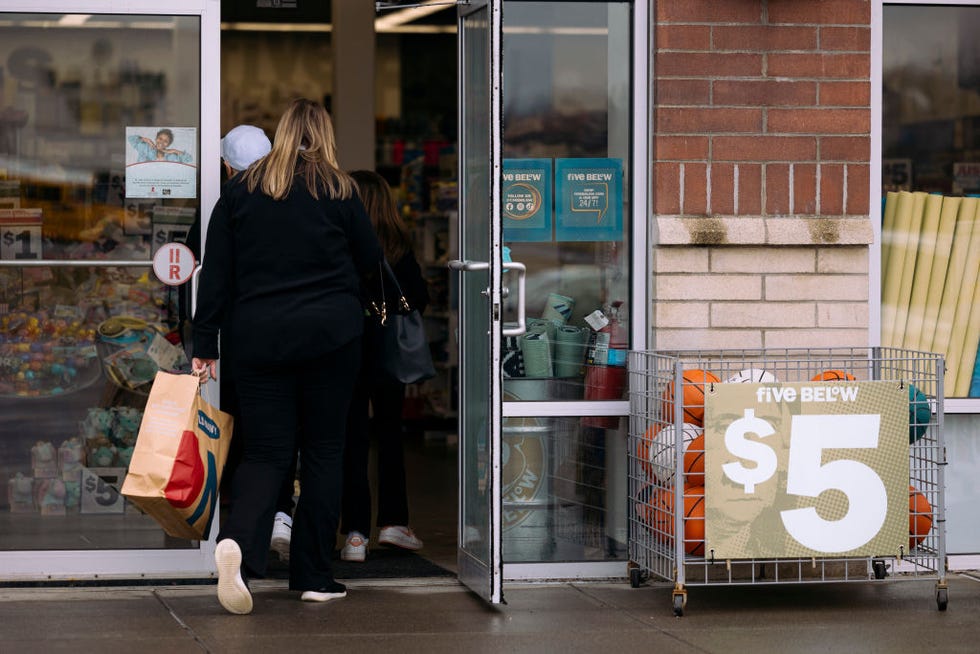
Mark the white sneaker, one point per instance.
(282, 531)
(233, 593)
(355, 549)
(400, 536)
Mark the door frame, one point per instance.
(143, 563)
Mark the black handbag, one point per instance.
(405, 351)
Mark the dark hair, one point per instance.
(166, 132)
(379, 202)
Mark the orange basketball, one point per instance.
(655, 449)
(694, 520)
(694, 463)
(693, 396)
(920, 517)
(655, 509)
(833, 375)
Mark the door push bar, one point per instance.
(471, 266)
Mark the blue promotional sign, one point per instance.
(589, 200)
(527, 199)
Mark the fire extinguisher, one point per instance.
(605, 370)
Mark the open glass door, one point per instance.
(479, 554)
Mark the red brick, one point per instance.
(777, 189)
(683, 37)
(804, 189)
(749, 189)
(840, 66)
(701, 121)
(833, 12)
(722, 189)
(704, 64)
(831, 189)
(845, 94)
(695, 189)
(764, 148)
(857, 203)
(856, 39)
(818, 121)
(758, 93)
(845, 148)
(683, 92)
(681, 148)
(763, 38)
(719, 11)
(666, 188)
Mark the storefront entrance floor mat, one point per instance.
(382, 563)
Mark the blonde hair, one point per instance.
(304, 146)
(379, 202)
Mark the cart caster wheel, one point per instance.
(636, 577)
(678, 605)
(942, 598)
(880, 570)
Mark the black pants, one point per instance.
(386, 397)
(308, 402)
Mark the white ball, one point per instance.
(662, 455)
(752, 376)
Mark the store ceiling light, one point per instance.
(397, 18)
(73, 20)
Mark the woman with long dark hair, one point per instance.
(287, 245)
(376, 410)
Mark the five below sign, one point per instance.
(173, 264)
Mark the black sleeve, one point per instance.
(214, 288)
(364, 246)
(413, 284)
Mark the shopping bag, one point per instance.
(180, 452)
(406, 355)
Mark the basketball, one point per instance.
(655, 509)
(920, 517)
(694, 462)
(833, 375)
(655, 449)
(752, 376)
(694, 520)
(693, 396)
(920, 414)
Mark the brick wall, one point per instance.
(761, 173)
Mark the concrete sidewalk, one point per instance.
(890, 616)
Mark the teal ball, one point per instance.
(919, 414)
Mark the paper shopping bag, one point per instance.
(179, 455)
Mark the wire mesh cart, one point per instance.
(840, 468)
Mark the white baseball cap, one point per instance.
(244, 145)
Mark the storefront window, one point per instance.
(99, 145)
(930, 187)
(566, 180)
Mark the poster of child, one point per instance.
(161, 162)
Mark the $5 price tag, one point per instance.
(806, 471)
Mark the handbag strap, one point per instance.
(402, 302)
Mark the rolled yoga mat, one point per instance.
(954, 281)
(969, 369)
(940, 265)
(570, 351)
(891, 276)
(910, 253)
(963, 336)
(558, 308)
(911, 335)
(536, 351)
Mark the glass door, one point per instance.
(105, 155)
(479, 554)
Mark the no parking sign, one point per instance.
(173, 264)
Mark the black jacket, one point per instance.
(286, 274)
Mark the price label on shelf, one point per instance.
(805, 470)
(20, 234)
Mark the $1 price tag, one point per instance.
(802, 470)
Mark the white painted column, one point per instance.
(353, 87)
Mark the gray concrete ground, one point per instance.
(891, 616)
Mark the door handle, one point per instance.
(521, 313)
(194, 277)
(467, 266)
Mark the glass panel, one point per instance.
(99, 138)
(566, 141)
(475, 316)
(930, 182)
(564, 489)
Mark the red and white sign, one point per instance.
(173, 264)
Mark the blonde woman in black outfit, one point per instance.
(287, 245)
(384, 394)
